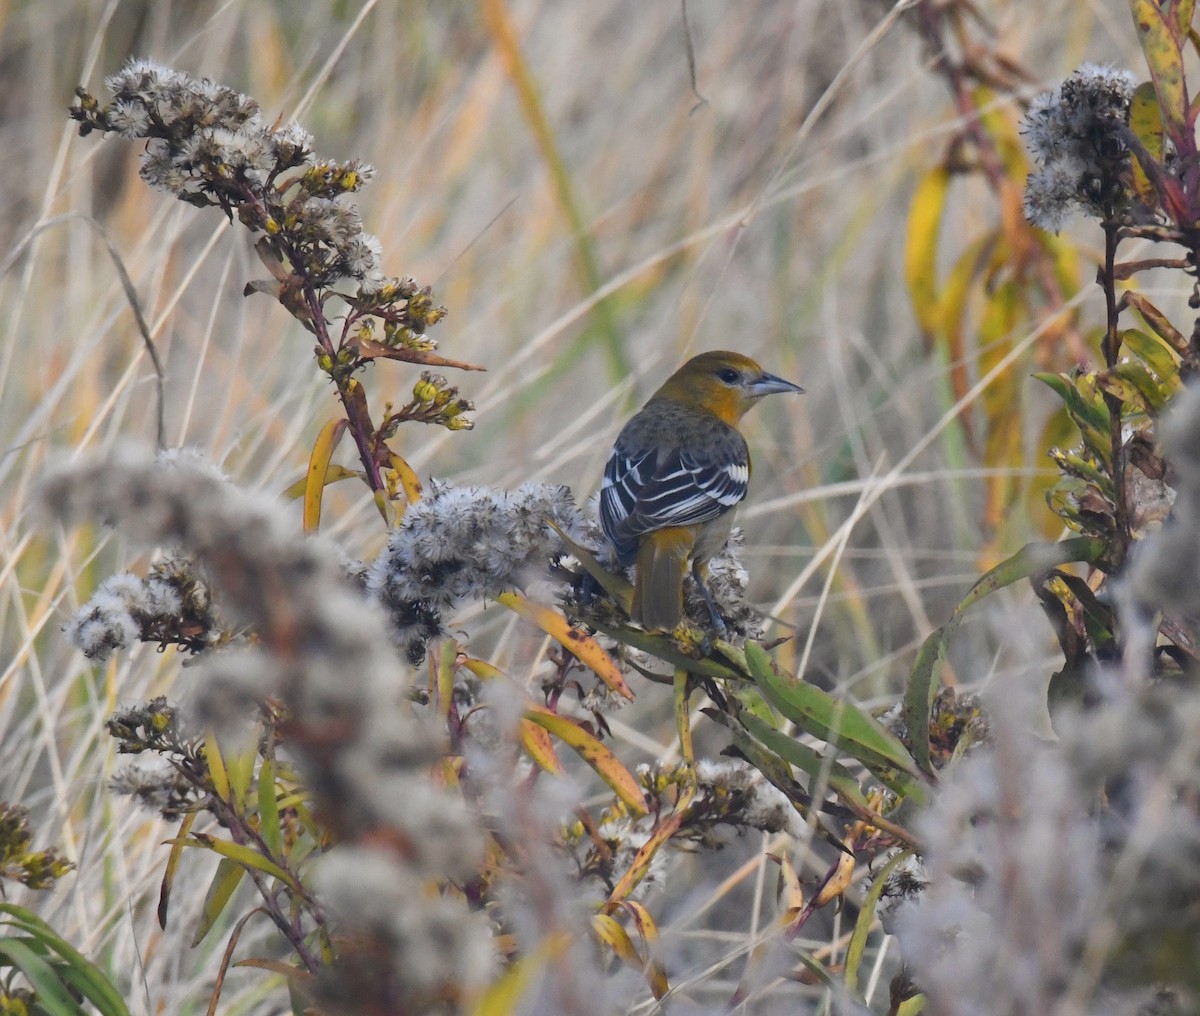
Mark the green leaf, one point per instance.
(220, 891)
(268, 805)
(1153, 390)
(75, 967)
(1155, 354)
(52, 994)
(835, 720)
(1032, 559)
(822, 768)
(1086, 408)
(866, 918)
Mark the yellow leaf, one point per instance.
(216, 767)
(535, 739)
(248, 857)
(952, 315)
(606, 765)
(538, 746)
(610, 932)
(164, 892)
(1145, 120)
(920, 247)
(792, 897)
(405, 476)
(589, 652)
(999, 122)
(1164, 57)
(839, 881)
(503, 996)
(318, 467)
(1181, 17)
(656, 973)
(332, 475)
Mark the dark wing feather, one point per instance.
(675, 487)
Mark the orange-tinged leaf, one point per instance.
(589, 652)
(318, 468)
(1164, 57)
(1157, 321)
(597, 755)
(920, 247)
(1005, 309)
(952, 316)
(792, 896)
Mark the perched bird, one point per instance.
(677, 470)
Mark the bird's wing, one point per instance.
(654, 490)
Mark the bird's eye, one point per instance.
(728, 375)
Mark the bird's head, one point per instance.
(725, 383)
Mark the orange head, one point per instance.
(727, 384)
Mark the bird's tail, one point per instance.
(658, 583)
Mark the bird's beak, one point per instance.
(769, 384)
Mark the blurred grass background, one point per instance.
(727, 216)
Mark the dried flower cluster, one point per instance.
(210, 145)
(1077, 136)
(169, 606)
(459, 544)
(323, 651)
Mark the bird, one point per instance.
(678, 469)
